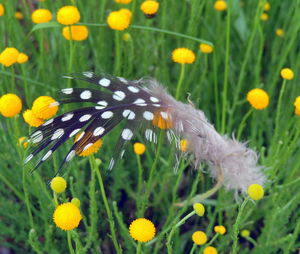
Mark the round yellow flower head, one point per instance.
(205, 48)
(142, 230)
(287, 73)
(19, 15)
(58, 184)
(210, 250)
(90, 148)
(267, 6)
(1, 9)
(255, 191)
(10, 105)
(126, 37)
(220, 229)
(79, 33)
(9, 56)
(199, 209)
(162, 120)
(31, 119)
(67, 216)
(264, 16)
(183, 145)
(139, 148)
(297, 103)
(258, 98)
(41, 16)
(76, 202)
(279, 32)
(127, 12)
(297, 112)
(22, 141)
(199, 237)
(245, 233)
(123, 1)
(150, 7)
(183, 56)
(22, 58)
(220, 5)
(68, 15)
(44, 107)
(118, 20)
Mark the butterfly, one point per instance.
(113, 100)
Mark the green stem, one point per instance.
(117, 65)
(242, 125)
(70, 56)
(138, 248)
(180, 81)
(193, 248)
(236, 226)
(143, 28)
(70, 242)
(108, 211)
(226, 69)
(139, 187)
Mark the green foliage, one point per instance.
(247, 54)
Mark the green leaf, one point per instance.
(45, 25)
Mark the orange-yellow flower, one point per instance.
(142, 230)
(10, 105)
(183, 56)
(139, 148)
(89, 148)
(205, 48)
(258, 98)
(123, 1)
(22, 58)
(118, 20)
(127, 12)
(150, 7)
(68, 15)
(79, 33)
(19, 15)
(220, 5)
(264, 16)
(31, 119)
(9, 56)
(287, 73)
(162, 120)
(279, 32)
(41, 16)
(67, 216)
(2, 10)
(44, 107)
(199, 237)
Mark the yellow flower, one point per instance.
(199, 237)
(44, 107)
(279, 32)
(297, 112)
(89, 148)
(199, 209)
(123, 1)
(162, 120)
(79, 33)
(183, 55)
(183, 145)
(41, 16)
(150, 7)
(297, 103)
(31, 119)
(9, 56)
(220, 229)
(258, 98)
(210, 250)
(76, 202)
(287, 73)
(139, 148)
(142, 230)
(127, 12)
(245, 233)
(118, 20)
(2, 10)
(22, 58)
(264, 16)
(19, 15)
(10, 105)
(126, 37)
(220, 5)
(205, 48)
(67, 216)
(267, 6)
(22, 141)
(68, 15)
(58, 184)
(255, 191)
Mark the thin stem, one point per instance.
(139, 187)
(70, 56)
(180, 81)
(236, 226)
(108, 211)
(226, 69)
(70, 242)
(193, 248)
(242, 125)
(138, 248)
(117, 65)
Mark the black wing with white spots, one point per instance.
(115, 100)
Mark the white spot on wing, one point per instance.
(104, 82)
(67, 117)
(102, 103)
(148, 115)
(127, 134)
(74, 132)
(140, 102)
(67, 90)
(119, 95)
(48, 122)
(80, 136)
(87, 146)
(85, 118)
(36, 137)
(154, 99)
(129, 114)
(29, 157)
(164, 115)
(107, 114)
(85, 95)
(57, 134)
(47, 155)
(133, 89)
(150, 135)
(70, 155)
(111, 164)
(98, 131)
(88, 74)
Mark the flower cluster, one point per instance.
(10, 56)
(44, 107)
(266, 7)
